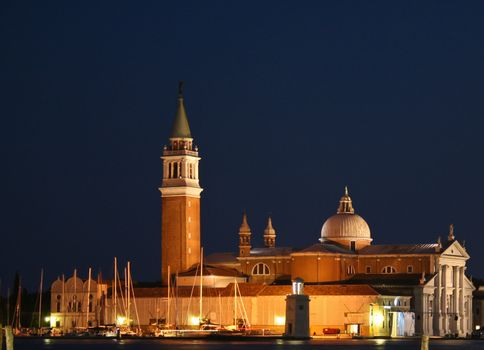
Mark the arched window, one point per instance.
(260, 269)
(388, 269)
(175, 170)
(58, 304)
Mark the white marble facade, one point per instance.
(443, 304)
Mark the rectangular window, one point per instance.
(409, 269)
(368, 269)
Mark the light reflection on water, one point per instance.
(166, 344)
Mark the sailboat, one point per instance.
(16, 323)
(124, 322)
(241, 322)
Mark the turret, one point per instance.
(269, 235)
(244, 237)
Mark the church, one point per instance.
(355, 286)
(432, 275)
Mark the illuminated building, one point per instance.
(354, 286)
(77, 303)
(180, 198)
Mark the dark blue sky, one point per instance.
(288, 102)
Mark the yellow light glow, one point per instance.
(194, 321)
(279, 320)
(47, 319)
(120, 320)
(378, 318)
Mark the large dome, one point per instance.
(346, 226)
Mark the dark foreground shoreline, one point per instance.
(260, 343)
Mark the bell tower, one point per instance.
(180, 197)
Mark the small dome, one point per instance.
(345, 225)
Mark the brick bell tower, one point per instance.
(180, 198)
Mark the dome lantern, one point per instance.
(345, 204)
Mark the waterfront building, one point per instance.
(350, 309)
(77, 303)
(354, 286)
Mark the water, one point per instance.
(163, 344)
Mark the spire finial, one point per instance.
(451, 233)
(270, 234)
(346, 191)
(438, 247)
(181, 129)
(180, 88)
(422, 278)
(244, 227)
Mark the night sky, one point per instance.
(287, 101)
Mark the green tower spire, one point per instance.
(181, 129)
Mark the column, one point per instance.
(424, 316)
(456, 299)
(184, 168)
(462, 315)
(445, 316)
(436, 317)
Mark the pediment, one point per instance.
(468, 284)
(455, 250)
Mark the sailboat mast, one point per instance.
(115, 288)
(235, 302)
(8, 305)
(128, 292)
(176, 299)
(130, 282)
(201, 286)
(88, 297)
(19, 301)
(220, 308)
(167, 321)
(63, 302)
(40, 296)
(75, 300)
